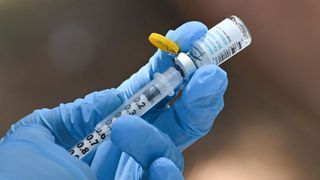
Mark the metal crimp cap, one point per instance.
(184, 62)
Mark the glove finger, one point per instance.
(184, 36)
(31, 152)
(70, 123)
(105, 162)
(193, 113)
(143, 142)
(163, 168)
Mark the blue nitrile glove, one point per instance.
(36, 146)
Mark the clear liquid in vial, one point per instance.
(221, 42)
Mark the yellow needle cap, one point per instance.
(163, 43)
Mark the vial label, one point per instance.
(221, 42)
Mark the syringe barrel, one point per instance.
(219, 44)
(161, 86)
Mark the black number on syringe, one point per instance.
(92, 142)
(71, 151)
(129, 110)
(140, 106)
(102, 135)
(83, 150)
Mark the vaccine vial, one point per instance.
(219, 44)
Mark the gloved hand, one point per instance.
(36, 146)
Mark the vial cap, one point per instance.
(163, 43)
(186, 65)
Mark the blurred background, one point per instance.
(56, 51)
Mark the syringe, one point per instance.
(219, 44)
(161, 86)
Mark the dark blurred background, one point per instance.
(56, 51)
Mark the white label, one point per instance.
(219, 44)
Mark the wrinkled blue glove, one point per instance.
(36, 146)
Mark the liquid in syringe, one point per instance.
(219, 44)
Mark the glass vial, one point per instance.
(221, 42)
(218, 45)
